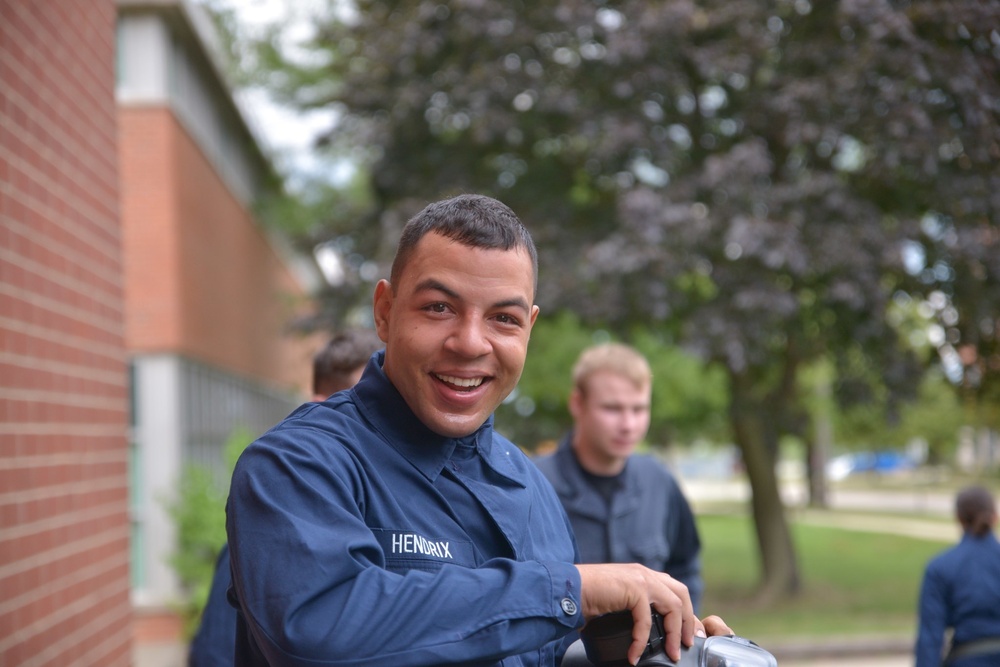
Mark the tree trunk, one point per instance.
(816, 459)
(819, 448)
(753, 423)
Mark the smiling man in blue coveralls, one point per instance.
(390, 524)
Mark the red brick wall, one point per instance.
(150, 239)
(64, 528)
(202, 278)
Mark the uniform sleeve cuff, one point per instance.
(567, 607)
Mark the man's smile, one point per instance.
(462, 383)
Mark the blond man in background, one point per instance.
(624, 507)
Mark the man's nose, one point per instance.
(470, 338)
(631, 420)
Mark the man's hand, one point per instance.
(712, 626)
(606, 588)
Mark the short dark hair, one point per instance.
(475, 221)
(976, 510)
(341, 357)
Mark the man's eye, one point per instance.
(503, 318)
(437, 307)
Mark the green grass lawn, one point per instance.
(854, 583)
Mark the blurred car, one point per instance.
(882, 462)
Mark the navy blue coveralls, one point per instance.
(648, 521)
(960, 590)
(212, 645)
(360, 537)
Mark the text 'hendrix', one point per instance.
(411, 543)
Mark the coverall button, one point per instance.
(568, 606)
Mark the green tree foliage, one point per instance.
(689, 397)
(199, 515)
(201, 532)
(753, 179)
(688, 400)
(935, 416)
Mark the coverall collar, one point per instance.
(578, 494)
(427, 451)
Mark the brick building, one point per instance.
(208, 293)
(143, 312)
(64, 525)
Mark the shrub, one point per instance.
(199, 515)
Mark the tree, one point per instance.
(688, 399)
(755, 179)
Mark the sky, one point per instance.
(287, 134)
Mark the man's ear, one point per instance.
(575, 403)
(381, 307)
(532, 318)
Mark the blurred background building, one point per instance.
(64, 525)
(144, 312)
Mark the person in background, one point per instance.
(961, 591)
(336, 366)
(390, 524)
(624, 507)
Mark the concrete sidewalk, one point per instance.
(892, 651)
(159, 654)
(865, 661)
(923, 529)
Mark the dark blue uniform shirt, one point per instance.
(648, 520)
(360, 537)
(960, 590)
(212, 645)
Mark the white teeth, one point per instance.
(461, 382)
